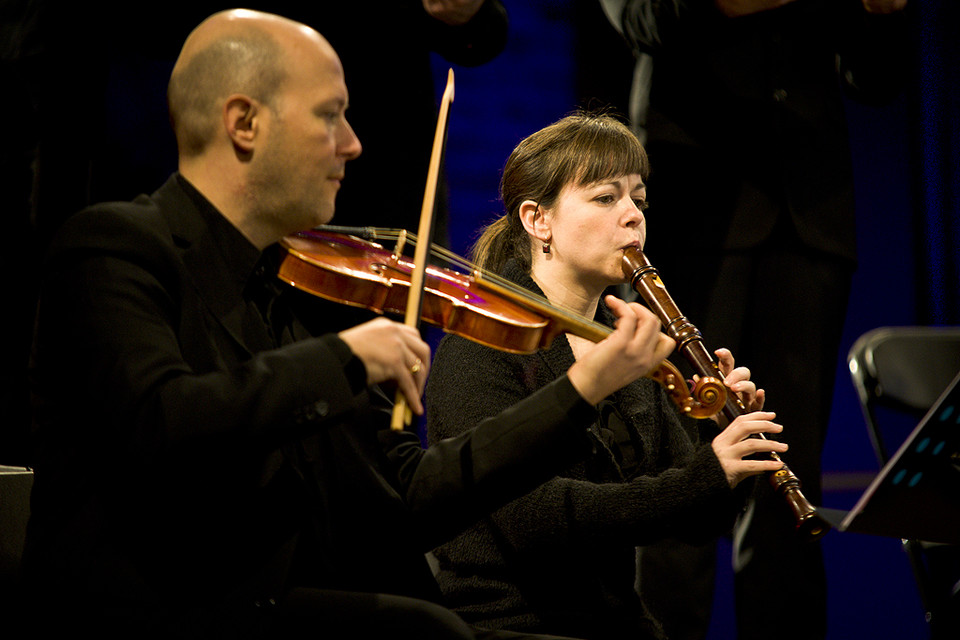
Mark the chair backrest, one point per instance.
(901, 370)
(15, 485)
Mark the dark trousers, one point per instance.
(306, 613)
(302, 613)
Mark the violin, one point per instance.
(337, 264)
(479, 306)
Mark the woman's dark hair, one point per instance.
(582, 148)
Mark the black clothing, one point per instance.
(201, 455)
(561, 558)
(747, 140)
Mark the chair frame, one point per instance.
(905, 370)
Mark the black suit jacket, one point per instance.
(746, 127)
(187, 462)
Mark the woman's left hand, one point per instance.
(738, 380)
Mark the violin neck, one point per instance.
(561, 320)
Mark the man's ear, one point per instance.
(534, 221)
(241, 119)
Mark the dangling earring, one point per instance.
(546, 247)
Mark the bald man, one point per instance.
(205, 467)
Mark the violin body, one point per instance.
(352, 271)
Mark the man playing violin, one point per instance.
(205, 467)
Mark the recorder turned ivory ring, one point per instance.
(415, 369)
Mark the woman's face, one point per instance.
(591, 225)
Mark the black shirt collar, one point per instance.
(244, 261)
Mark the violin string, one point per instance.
(385, 234)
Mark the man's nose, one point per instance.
(349, 144)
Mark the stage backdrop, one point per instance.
(563, 55)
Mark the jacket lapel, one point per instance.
(207, 270)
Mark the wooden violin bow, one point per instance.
(401, 411)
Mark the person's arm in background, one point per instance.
(873, 59)
(646, 23)
(466, 32)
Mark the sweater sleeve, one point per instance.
(459, 479)
(470, 382)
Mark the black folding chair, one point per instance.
(899, 373)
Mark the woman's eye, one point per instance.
(642, 204)
(604, 199)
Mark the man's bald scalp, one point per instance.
(244, 60)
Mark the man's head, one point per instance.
(258, 106)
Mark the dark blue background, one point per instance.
(561, 55)
(907, 171)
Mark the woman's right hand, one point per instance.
(733, 444)
(635, 347)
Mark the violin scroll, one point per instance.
(709, 394)
(705, 399)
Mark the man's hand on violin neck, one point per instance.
(391, 351)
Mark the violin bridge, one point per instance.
(401, 242)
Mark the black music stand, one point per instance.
(916, 495)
